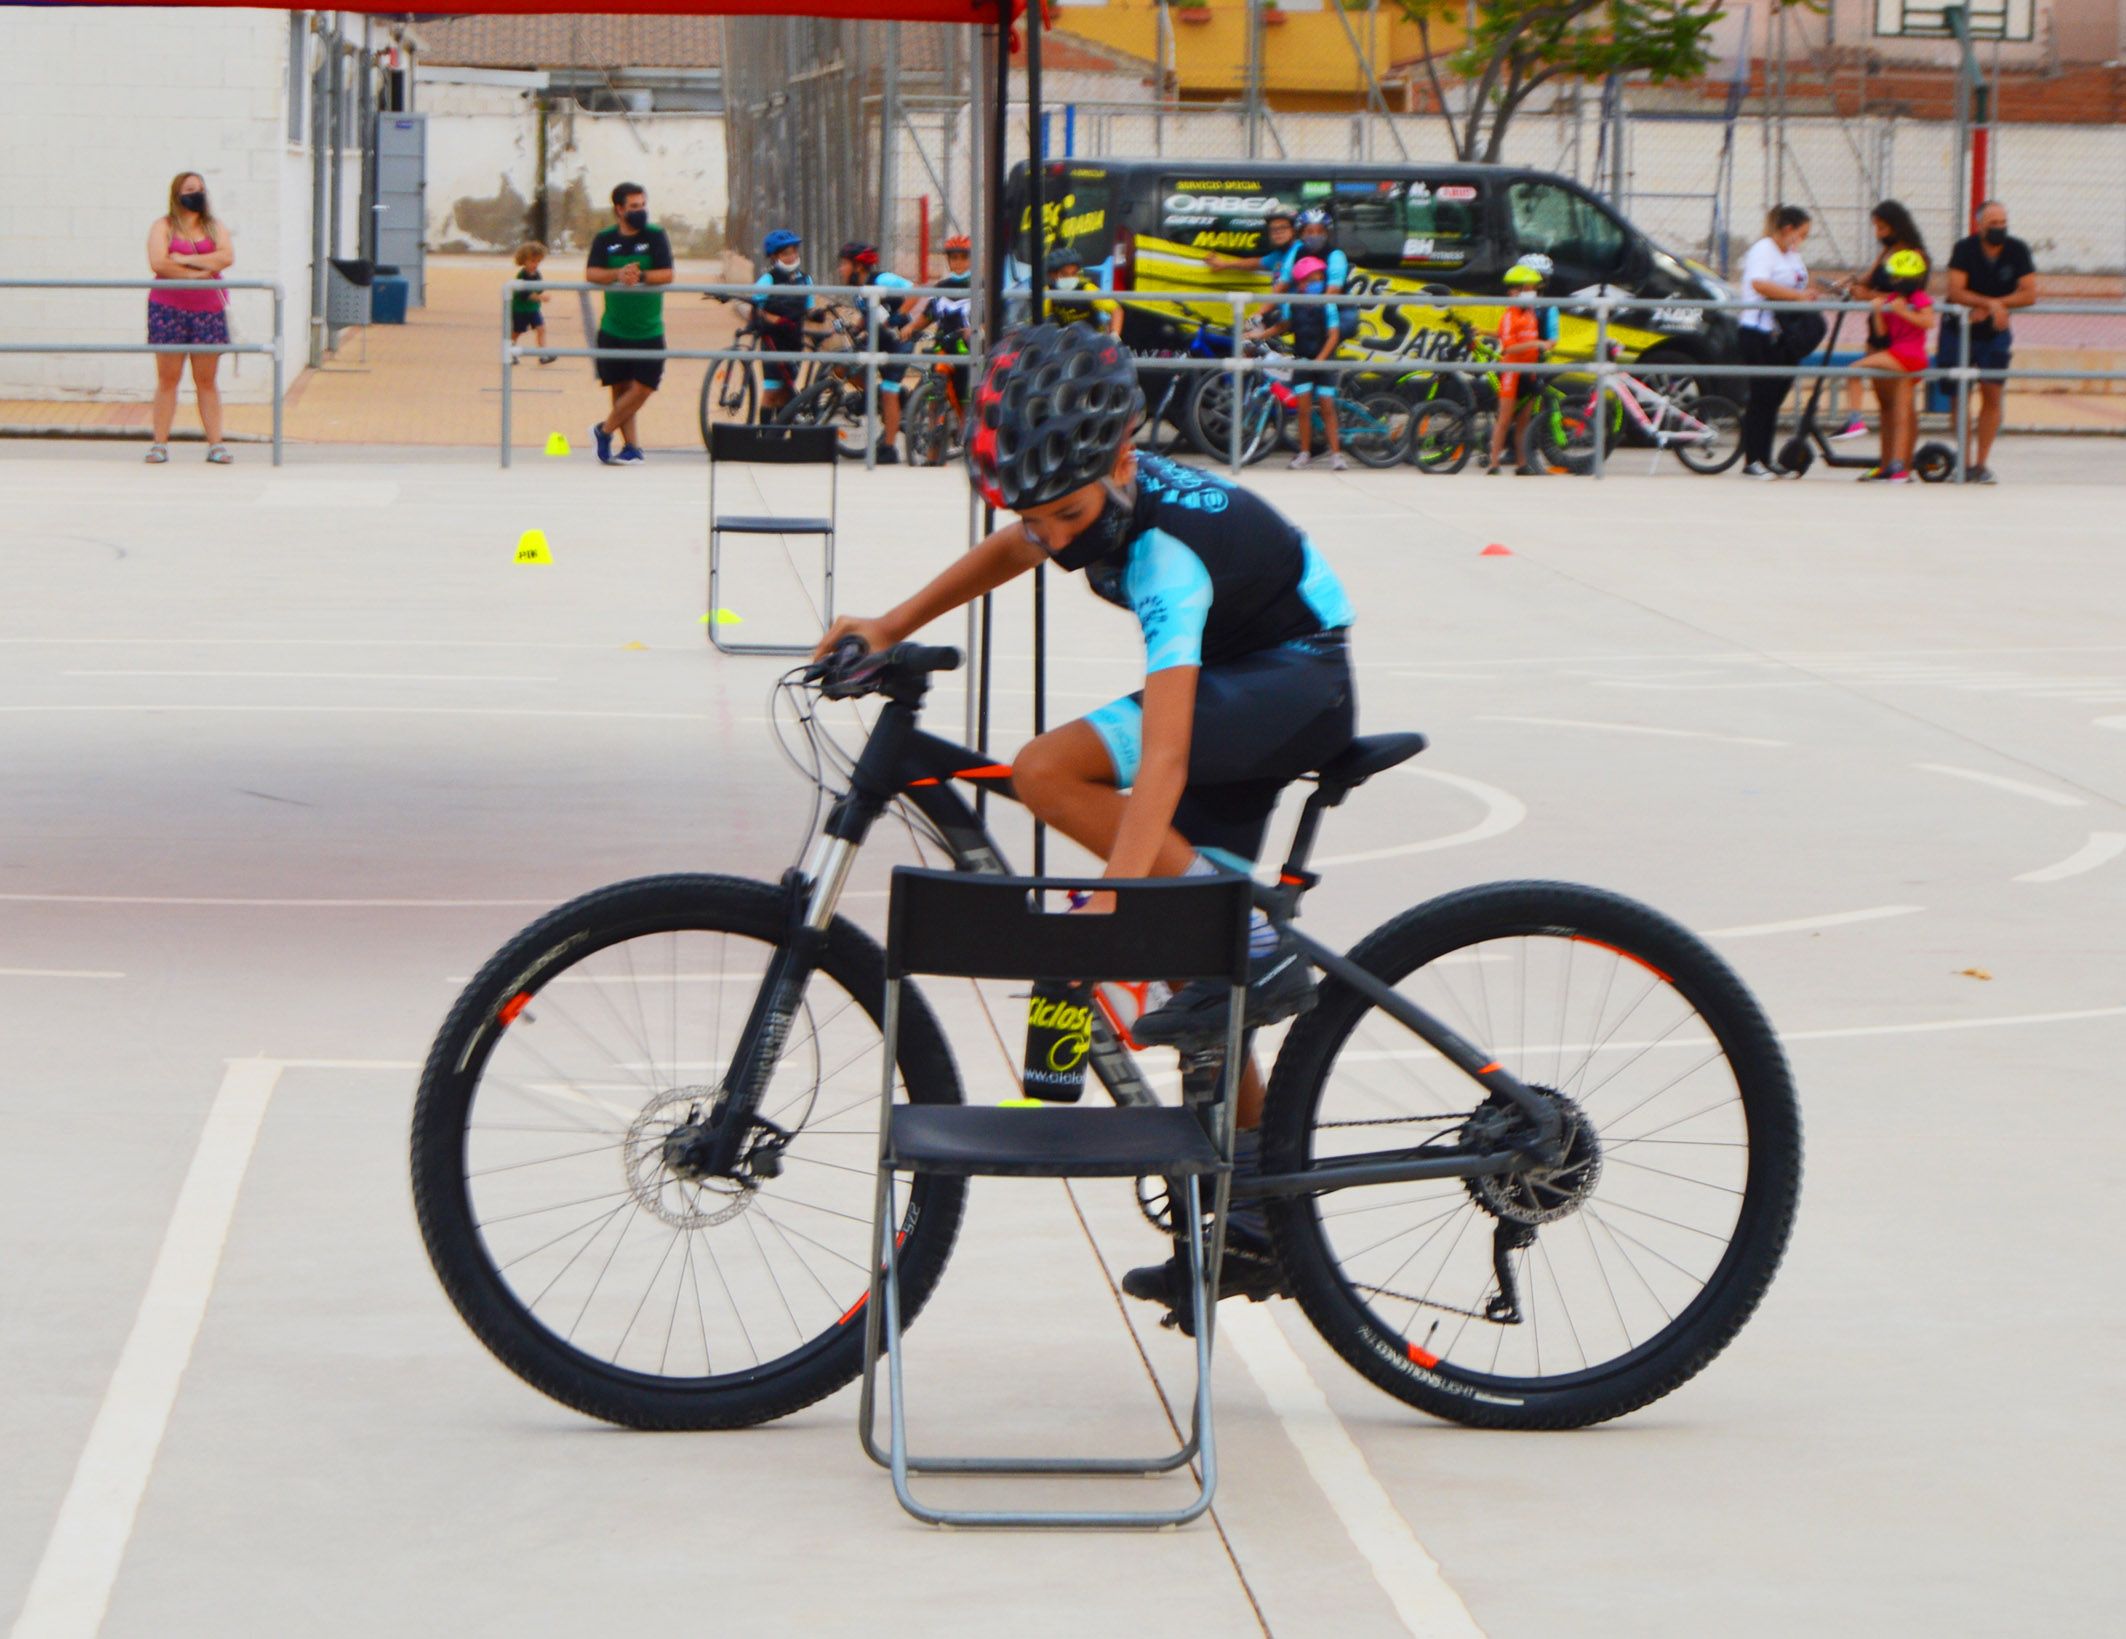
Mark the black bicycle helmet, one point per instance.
(1062, 257)
(1053, 409)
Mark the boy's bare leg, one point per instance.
(1066, 779)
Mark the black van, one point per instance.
(1148, 224)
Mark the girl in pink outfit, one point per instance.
(186, 242)
(1906, 314)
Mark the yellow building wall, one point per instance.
(1304, 52)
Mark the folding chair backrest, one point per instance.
(785, 446)
(985, 927)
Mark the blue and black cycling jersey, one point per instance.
(893, 307)
(1220, 580)
(1213, 572)
(784, 310)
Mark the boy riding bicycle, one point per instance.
(1248, 675)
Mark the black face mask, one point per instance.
(192, 201)
(1104, 536)
(1996, 236)
(635, 221)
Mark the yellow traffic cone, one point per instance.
(556, 444)
(531, 547)
(722, 617)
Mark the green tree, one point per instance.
(1520, 45)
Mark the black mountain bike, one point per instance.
(1530, 1162)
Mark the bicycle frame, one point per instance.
(902, 762)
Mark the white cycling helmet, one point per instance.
(1537, 260)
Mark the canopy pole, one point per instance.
(996, 86)
(1036, 283)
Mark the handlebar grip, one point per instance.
(926, 657)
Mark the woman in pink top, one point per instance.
(186, 242)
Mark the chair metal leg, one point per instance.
(716, 603)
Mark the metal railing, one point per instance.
(1604, 311)
(272, 349)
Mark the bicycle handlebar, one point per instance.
(850, 670)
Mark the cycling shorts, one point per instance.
(775, 338)
(1312, 378)
(1261, 721)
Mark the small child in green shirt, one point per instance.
(525, 304)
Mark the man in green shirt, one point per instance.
(632, 253)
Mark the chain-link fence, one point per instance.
(830, 118)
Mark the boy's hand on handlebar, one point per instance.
(872, 634)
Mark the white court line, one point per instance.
(1804, 924)
(1406, 1572)
(1503, 811)
(336, 493)
(57, 973)
(163, 640)
(1639, 728)
(324, 677)
(72, 1587)
(2001, 782)
(278, 904)
(2101, 848)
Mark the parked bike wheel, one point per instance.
(930, 425)
(1378, 433)
(1558, 435)
(590, 1268)
(729, 392)
(1440, 438)
(1634, 1262)
(832, 402)
(1208, 420)
(1934, 463)
(1723, 419)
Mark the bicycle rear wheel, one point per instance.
(587, 1265)
(1558, 435)
(1551, 1298)
(832, 402)
(1720, 445)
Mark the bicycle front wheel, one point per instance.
(930, 426)
(1208, 420)
(1556, 1297)
(1376, 428)
(728, 393)
(588, 1266)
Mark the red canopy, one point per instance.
(905, 11)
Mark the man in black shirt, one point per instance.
(1989, 273)
(632, 253)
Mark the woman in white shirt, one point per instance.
(1773, 272)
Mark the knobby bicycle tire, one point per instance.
(741, 389)
(1634, 937)
(508, 987)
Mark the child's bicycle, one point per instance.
(1374, 426)
(934, 413)
(1703, 430)
(1531, 1161)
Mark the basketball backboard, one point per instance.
(1928, 19)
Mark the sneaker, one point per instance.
(1338, 464)
(1982, 475)
(603, 442)
(1757, 469)
(889, 455)
(630, 456)
(1874, 475)
(1279, 985)
(158, 455)
(1250, 1269)
(547, 358)
(1856, 428)
(1304, 458)
(1896, 475)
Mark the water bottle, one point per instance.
(1059, 1033)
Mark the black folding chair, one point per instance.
(991, 927)
(734, 443)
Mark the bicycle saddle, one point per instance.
(1364, 757)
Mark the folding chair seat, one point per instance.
(991, 927)
(731, 444)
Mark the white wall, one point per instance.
(483, 160)
(100, 107)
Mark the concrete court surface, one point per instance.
(284, 755)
